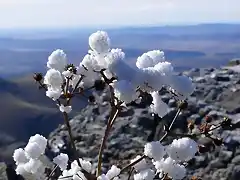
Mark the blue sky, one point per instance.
(70, 13)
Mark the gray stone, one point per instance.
(236, 160)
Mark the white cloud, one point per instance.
(39, 13)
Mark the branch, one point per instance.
(170, 127)
(130, 173)
(112, 118)
(52, 172)
(76, 86)
(66, 121)
(86, 174)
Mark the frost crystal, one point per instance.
(99, 42)
(86, 165)
(147, 174)
(57, 60)
(33, 150)
(140, 165)
(124, 91)
(113, 172)
(158, 106)
(154, 150)
(66, 109)
(182, 149)
(170, 167)
(53, 79)
(19, 156)
(62, 161)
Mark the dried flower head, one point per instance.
(38, 77)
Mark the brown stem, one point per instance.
(67, 85)
(165, 176)
(192, 135)
(41, 84)
(112, 117)
(130, 173)
(66, 120)
(76, 86)
(170, 127)
(52, 172)
(132, 163)
(86, 174)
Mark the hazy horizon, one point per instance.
(111, 13)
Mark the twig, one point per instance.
(66, 120)
(76, 86)
(193, 135)
(170, 127)
(67, 85)
(52, 172)
(130, 173)
(154, 133)
(132, 164)
(165, 176)
(112, 117)
(86, 174)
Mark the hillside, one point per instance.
(26, 110)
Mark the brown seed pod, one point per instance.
(227, 122)
(195, 178)
(183, 105)
(202, 149)
(38, 77)
(91, 99)
(191, 124)
(204, 128)
(208, 119)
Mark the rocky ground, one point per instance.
(217, 94)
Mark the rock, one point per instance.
(200, 80)
(235, 173)
(234, 62)
(222, 78)
(3, 172)
(236, 160)
(225, 156)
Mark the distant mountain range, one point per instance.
(202, 45)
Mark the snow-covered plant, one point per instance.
(103, 67)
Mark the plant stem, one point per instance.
(76, 86)
(66, 120)
(170, 127)
(132, 164)
(130, 173)
(86, 174)
(112, 118)
(52, 172)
